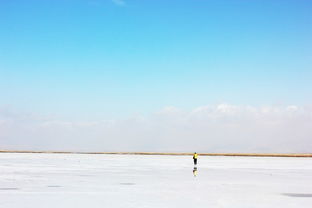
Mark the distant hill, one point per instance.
(170, 153)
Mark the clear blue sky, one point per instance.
(98, 59)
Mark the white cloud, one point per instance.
(221, 128)
(119, 2)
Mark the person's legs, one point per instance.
(195, 161)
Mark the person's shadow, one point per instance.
(195, 171)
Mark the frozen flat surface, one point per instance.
(77, 180)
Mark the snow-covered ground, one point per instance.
(78, 180)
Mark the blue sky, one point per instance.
(220, 76)
(97, 57)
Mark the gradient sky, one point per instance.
(92, 60)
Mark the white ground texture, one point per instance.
(80, 180)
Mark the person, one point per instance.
(195, 158)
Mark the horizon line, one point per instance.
(166, 153)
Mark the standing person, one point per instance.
(195, 158)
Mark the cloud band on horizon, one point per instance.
(220, 128)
